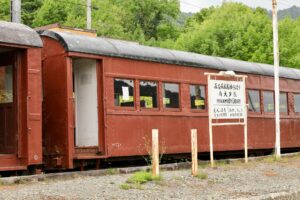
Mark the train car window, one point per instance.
(124, 92)
(283, 102)
(268, 101)
(297, 103)
(197, 97)
(171, 95)
(254, 100)
(148, 94)
(6, 84)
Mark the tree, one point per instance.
(232, 30)
(152, 17)
(29, 9)
(5, 10)
(289, 46)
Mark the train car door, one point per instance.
(86, 102)
(8, 103)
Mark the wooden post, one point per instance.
(194, 142)
(155, 153)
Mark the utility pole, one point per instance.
(15, 11)
(276, 78)
(88, 14)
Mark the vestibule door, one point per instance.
(86, 102)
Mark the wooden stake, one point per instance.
(155, 153)
(194, 152)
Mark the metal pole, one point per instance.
(89, 14)
(245, 124)
(211, 148)
(276, 78)
(16, 11)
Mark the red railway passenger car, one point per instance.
(20, 97)
(102, 97)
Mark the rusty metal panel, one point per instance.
(34, 106)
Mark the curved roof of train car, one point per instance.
(19, 34)
(132, 50)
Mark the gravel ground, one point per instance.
(226, 181)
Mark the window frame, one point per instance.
(162, 96)
(205, 101)
(294, 110)
(14, 85)
(130, 108)
(263, 103)
(157, 95)
(260, 101)
(287, 103)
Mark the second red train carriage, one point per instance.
(102, 97)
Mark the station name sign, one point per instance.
(226, 99)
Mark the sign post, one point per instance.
(227, 101)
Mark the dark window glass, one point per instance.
(254, 100)
(6, 84)
(297, 103)
(148, 94)
(124, 90)
(268, 101)
(171, 95)
(283, 102)
(197, 95)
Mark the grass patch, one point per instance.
(202, 175)
(139, 178)
(143, 177)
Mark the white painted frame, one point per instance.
(211, 124)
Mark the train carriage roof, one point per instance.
(19, 34)
(132, 50)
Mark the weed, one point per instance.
(126, 186)
(202, 175)
(112, 171)
(270, 159)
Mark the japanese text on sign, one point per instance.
(227, 99)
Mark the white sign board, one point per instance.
(226, 99)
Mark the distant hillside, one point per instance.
(293, 12)
(183, 16)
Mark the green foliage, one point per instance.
(233, 30)
(29, 10)
(5, 10)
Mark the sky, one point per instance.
(196, 5)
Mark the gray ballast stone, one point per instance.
(132, 50)
(19, 34)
